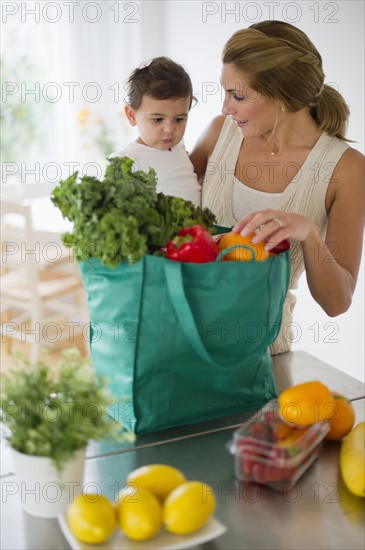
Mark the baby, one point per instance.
(160, 96)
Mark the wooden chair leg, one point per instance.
(5, 317)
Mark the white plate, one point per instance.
(163, 541)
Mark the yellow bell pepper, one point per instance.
(305, 404)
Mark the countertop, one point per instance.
(316, 513)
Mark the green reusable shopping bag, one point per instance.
(183, 343)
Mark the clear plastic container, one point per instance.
(269, 451)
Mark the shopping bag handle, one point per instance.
(235, 247)
(175, 285)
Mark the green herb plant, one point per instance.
(54, 410)
(122, 217)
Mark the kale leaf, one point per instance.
(121, 216)
(175, 213)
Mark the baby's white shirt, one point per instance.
(174, 171)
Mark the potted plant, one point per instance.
(50, 412)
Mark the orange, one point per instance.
(242, 254)
(343, 418)
(306, 403)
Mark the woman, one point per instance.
(277, 163)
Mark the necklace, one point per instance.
(273, 153)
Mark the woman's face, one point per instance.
(254, 114)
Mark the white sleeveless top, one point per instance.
(305, 194)
(246, 200)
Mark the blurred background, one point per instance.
(64, 67)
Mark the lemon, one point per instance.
(188, 507)
(351, 505)
(160, 479)
(352, 460)
(91, 518)
(139, 513)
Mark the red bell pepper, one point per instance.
(281, 247)
(192, 244)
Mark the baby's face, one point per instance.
(161, 122)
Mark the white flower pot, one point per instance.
(44, 491)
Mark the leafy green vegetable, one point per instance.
(175, 213)
(121, 217)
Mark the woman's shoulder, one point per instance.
(205, 145)
(211, 134)
(338, 151)
(218, 122)
(351, 162)
(352, 155)
(348, 176)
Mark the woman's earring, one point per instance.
(282, 108)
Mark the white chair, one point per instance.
(42, 297)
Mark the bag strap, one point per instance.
(235, 247)
(175, 285)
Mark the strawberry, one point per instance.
(258, 472)
(261, 430)
(247, 464)
(273, 473)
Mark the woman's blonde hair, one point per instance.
(284, 65)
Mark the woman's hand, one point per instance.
(273, 226)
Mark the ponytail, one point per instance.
(331, 112)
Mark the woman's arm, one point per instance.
(205, 146)
(332, 266)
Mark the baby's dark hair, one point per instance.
(161, 78)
